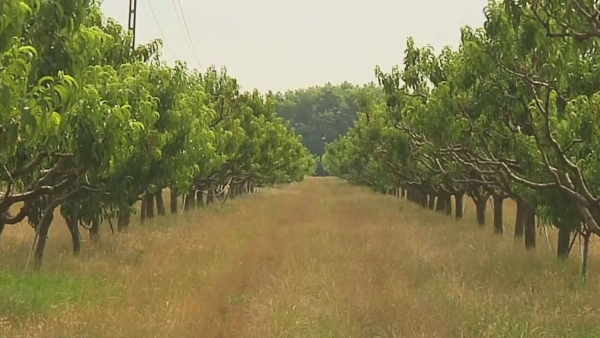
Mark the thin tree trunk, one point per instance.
(42, 238)
(160, 203)
(124, 218)
(564, 241)
(498, 214)
(459, 203)
(480, 207)
(529, 227)
(448, 202)
(586, 251)
(423, 198)
(173, 202)
(431, 202)
(143, 207)
(149, 205)
(520, 219)
(441, 206)
(72, 222)
(95, 231)
(189, 201)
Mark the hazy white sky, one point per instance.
(290, 44)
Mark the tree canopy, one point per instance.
(321, 114)
(511, 113)
(90, 126)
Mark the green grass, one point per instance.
(23, 294)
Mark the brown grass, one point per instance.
(316, 259)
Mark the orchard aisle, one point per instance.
(315, 259)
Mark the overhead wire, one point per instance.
(185, 29)
(158, 26)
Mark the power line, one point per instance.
(188, 33)
(157, 24)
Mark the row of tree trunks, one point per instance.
(525, 217)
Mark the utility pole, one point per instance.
(132, 20)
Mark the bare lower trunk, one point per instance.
(498, 209)
(173, 202)
(124, 218)
(448, 202)
(529, 227)
(586, 254)
(143, 212)
(520, 219)
(72, 222)
(190, 201)
(459, 202)
(149, 205)
(480, 207)
(431, 203)
(160, 203)
(423, 198)
(564, 241)
(441, 206)
(42, 238)
(95, 231)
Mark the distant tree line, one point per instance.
(321, 114)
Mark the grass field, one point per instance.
(315, 259)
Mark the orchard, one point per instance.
(89, 127)
(512, 113)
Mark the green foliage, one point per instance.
(321, 114)
(23, 294)
(90, 125)
(512, 112)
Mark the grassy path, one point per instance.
(316, 259)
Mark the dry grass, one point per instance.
(317, 259)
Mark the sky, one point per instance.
(291, 44)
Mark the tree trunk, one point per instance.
(232, 192)
(441, 206)
(160, 203)
(124, 218)
(95, 231)
(149, 205)
(448, 202)
(423, 198)
(199, 198)
(189, 201)
(498, 213)
(586, 254)
(564, 241)
(72, 222)
(529, 227)
(42, 238)
(520, 219)
(173, 202)
(431, 204)
(459, 203)
(143, 207)
(480, 207)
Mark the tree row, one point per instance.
(90, 126)
(512, 113)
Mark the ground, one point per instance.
(314, 259)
